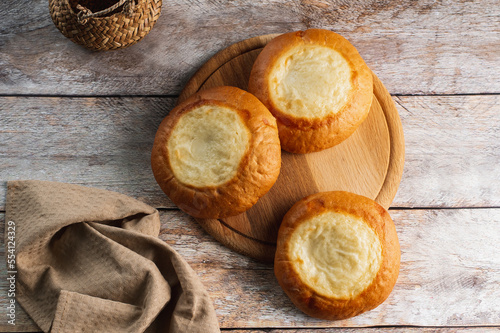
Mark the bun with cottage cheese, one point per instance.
(316, 85)
(217, 153)
(337, 255)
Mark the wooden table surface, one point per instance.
(70, 115)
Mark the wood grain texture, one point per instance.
(31, 328)
(97, 142)
(396, 140)
(376, 330)
(359, 164)
(444, 281)
(450, 278)
(453, 151)
(415, 47)
(452, 146)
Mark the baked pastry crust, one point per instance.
(257, 170)
(308, 134)
(309, 299)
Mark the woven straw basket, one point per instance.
(105, 24)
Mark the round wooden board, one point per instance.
(370, 162)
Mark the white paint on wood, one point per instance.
(414, 47)
(452, 146)
(452, 151)
(450, 274)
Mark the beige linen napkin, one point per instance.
(89, 260)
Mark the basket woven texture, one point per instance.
(105, 24)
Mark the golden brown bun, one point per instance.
(317, 105)
(337, 255)
(217, 153)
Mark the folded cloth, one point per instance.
(90, 260)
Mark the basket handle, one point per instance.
(84, 13)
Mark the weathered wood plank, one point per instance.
(450, 274)
(376, 330)
(414, 47)
(98, 142)
(18, 328)
(452, 146)
(452, 151)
